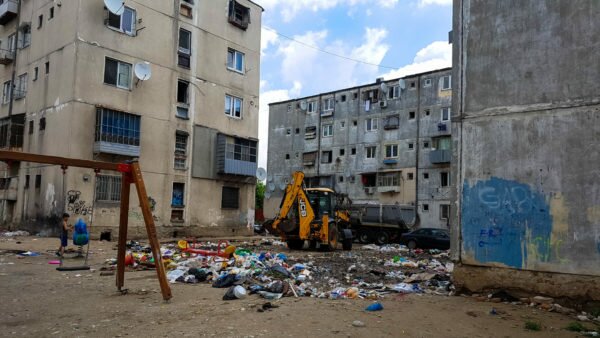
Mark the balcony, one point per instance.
(117, 133)
(6, 56)
(326, 113)
(8, 11)
(16, 123)
(392, 188)
(19, 94)
(440, 156)
(442, 126)
(236, 156)
(390, 161)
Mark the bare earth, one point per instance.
(38, 301)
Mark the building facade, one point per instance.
(526, 131)
(82, 89)
(375, 143)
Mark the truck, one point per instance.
(316, 215)
(380, 223)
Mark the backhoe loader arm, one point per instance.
(294, 192)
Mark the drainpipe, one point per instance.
(319, 134)
(418, 147)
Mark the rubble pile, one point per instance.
(370, 272)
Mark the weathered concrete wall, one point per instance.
(526, 130)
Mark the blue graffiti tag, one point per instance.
(500, 218)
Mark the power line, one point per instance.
(328, 52)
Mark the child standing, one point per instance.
(64, 234)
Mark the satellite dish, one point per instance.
(270, 178)
(282, 185)
(142, 70)
(383, 87)
(117, 7)
(303, 105)
(271, 186)
(261, 174)
(402, 84)
(267, 194)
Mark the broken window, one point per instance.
(444, 179)
(239, 15)
(411, 115)
(371, 152)
(326, 156)
(343, 98)
(124, 23)
(391, 150)
(309, 159)
(425, 207)
(181, 144)
(327, 130)
(177, 198)
(184, 49)
(410, 176)
(369, 180)
(183, 91)
(310, 133)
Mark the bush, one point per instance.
(576, 327)
(533, 326)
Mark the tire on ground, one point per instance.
(382, 237)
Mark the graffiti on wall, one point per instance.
(505, 222)
(76, 205)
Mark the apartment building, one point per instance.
(375, 143)
(70, 89)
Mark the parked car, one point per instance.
(427, 238)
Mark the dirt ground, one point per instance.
(38, 301)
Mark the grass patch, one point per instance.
(595, 312)
(533, 326)
(576, 327)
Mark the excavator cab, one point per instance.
(322, 200)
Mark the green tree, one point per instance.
(259, 195)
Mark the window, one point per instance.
(124, 23)
(354, 123)
(40, 21)
(427, 83)
(31, 126)
(177, 215)
(239, 15)
(47, 67)
(240, 149)
(410, 176)
(24, 36)
(309, 159)
(343, 98)
(446, 82)
(444, 179)
(427, 111)
(288, 131)
(185, 9)
(117, 127)
(411, 146)
(108, 188)
(371, 124)
(342, 124)
(297, 131)
(425, 145)
(353, 151)
(117, 73)
(21, 87)
(391, 150)
(342, 151)
(445, 114)
(177, 197)
(35, 73)
(341, 179)
(389, 179)
(233, 106)
(51, 13)
(310, 133)
(183, 91)
(327, 130)
(6, 92)
(393, 92)
(26, 186)
(42, 124)
(12, 43)
(191, 2)
(444, 212)
(287, 156)
(235, 60)
(355, 96)
(425, 176)
(442, 143)
(328, 103)
(326, 156)
(289, 108)
(184, 50)
(391, 122)
(181, 144)
(371, 152)
(230, 198)
(38, 181)
(312, 107)
(425, 207)
(413, 85)
(411, 115)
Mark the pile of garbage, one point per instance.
(258, 268)
(14, 233)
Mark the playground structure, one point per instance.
(131, 174)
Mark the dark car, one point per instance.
(427, 238)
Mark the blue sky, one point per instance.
(409, 36)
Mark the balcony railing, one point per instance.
(8, 10)
(440, 156)
(6, 56)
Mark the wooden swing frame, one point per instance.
(131, 174)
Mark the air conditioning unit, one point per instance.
(369, 190)
(383, 104)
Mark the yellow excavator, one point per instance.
(316, 215)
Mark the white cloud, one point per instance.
(436, 55)
(267, 38)
(289, 9)
(424, 3)
(263, 115)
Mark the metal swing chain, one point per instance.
(96, 174)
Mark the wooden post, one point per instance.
(136, 175)
(123, 220)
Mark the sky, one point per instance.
(403, 37)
